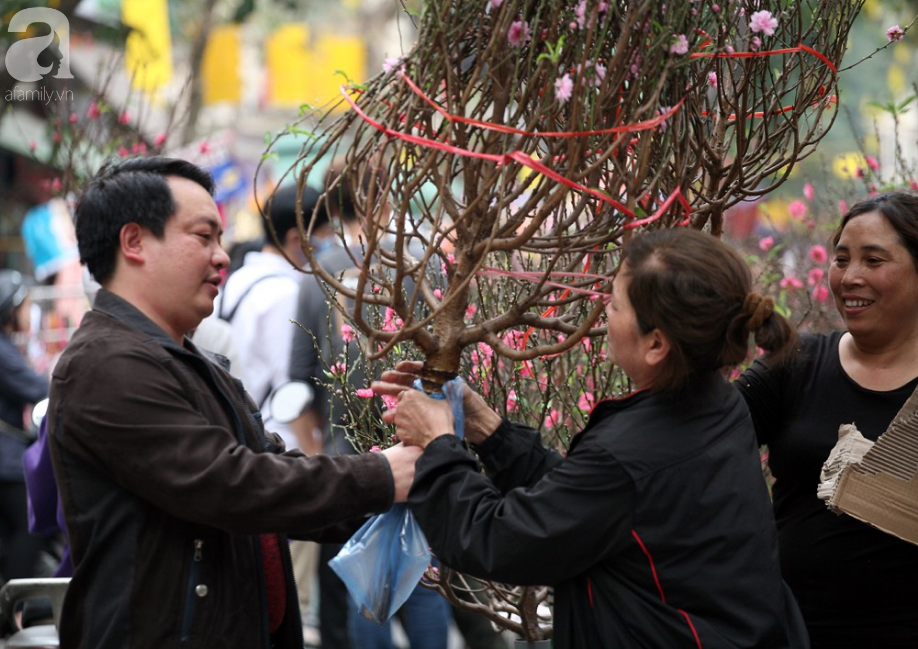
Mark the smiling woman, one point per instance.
(855, 584)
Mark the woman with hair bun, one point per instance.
(656, 529)
(856, 585)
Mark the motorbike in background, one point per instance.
(29, 612)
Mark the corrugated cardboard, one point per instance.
(882, 488)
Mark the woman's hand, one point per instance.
(419, 419)
(480, 420)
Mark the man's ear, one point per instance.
(657, 348)
(292, 239)
(132, 239)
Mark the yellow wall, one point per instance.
(220, 68)
(148, 54)
(302, 70)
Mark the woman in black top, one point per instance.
(656, 529)
(857, 586)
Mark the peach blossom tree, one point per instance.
(498, 166)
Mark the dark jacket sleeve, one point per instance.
(762, 388)
(514, 456)
(153, 439)
(542, 534)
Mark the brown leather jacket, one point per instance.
(167, 479)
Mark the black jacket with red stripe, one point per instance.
(656, 530)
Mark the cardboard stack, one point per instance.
(881, 488)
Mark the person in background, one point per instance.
(855, 584)
(20, 386)
(656, 530)
(176, 499)
(259, 302)
(425, 615)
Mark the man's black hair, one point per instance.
(126, 191)
(282, 211)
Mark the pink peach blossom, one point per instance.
(815, 276)
(895, 33)
(821, 293)
(564, 88)
(392, 63)
(818, 254)
(797, 209)
(519, 33)
(678, 45)
(791, 283)
(763, 21)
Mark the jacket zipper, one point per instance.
(259, 559)
(191, 594)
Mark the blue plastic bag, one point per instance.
(383, 562)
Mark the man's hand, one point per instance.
(401, 461)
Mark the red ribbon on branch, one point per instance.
(752, 55)
(519, 157)
(503, 128)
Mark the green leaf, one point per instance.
(295, 130)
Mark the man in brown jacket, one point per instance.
(176, 499)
